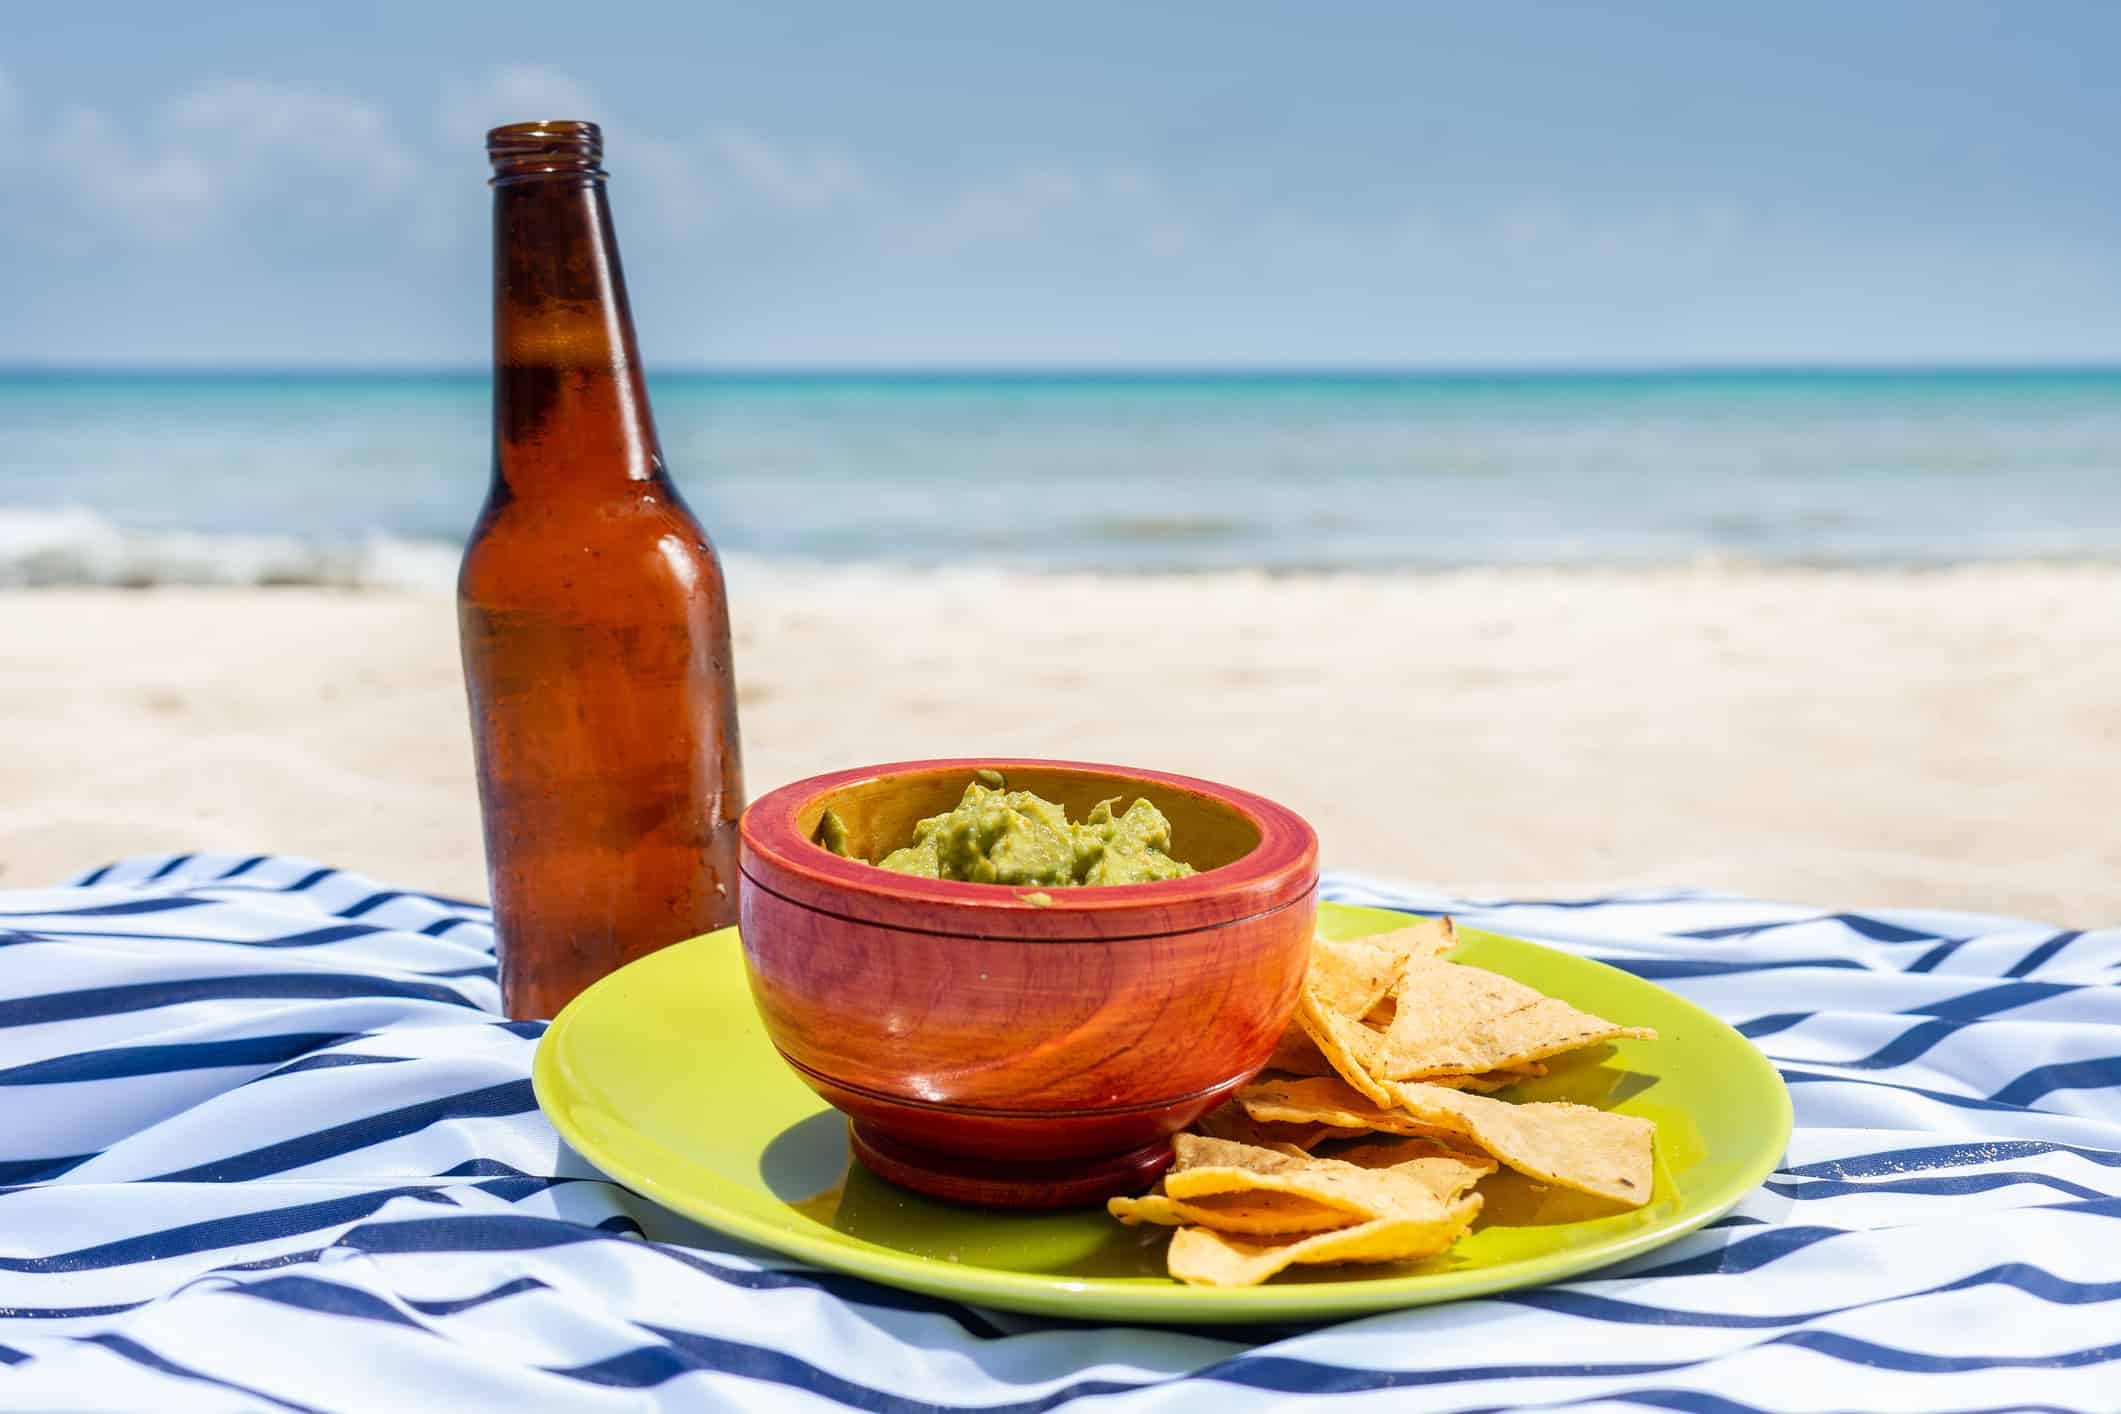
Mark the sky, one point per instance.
(1323, 184)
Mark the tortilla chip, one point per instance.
(1229, 1121)
(1353, 975)
(1449, 996)
(1451, 1019)
(1361, 1054)
(1351, 1048)
(1345, 1208)
(1484, 1083)
(1327, 1133)
(1394, 1046)
(1432, 937)
(1210, 1166)
(1201, 1257)
(1574, 1146)
(1260, 1214)
(1448, 1176)
(1192, 1151)
(1297, 1054)
(1297, 1139)
(1305, 1137)
(1330, 1101)
(1444, 1171)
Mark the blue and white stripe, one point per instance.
(264, 1144)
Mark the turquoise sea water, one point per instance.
(1123, 472)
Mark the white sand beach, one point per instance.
(1947, 739)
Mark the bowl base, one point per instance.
(1020, 1184)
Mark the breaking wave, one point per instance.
(77, 547)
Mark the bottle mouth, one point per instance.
(520, 151)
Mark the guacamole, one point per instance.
(1001, 836)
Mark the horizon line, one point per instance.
(1033, 371)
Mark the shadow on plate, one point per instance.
(1587, 1077)
(809, 1167)
(805, 1158)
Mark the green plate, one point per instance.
(662, 1076)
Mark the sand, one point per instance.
(1944, 739)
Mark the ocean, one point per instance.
(375, 478)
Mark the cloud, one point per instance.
(517, 93)
(1110, 207)
(675, 198)
(764, 198)
(300, 169)
(732, 177)
(790, 177)
(162, 196)
(683, 186)
(216, 145)
(1020, 201)
(250, 125)
(748, 187)
(252, 186)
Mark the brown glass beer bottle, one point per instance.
(594, 626)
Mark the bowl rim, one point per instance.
(1287, 851)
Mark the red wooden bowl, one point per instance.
(1013, 1047)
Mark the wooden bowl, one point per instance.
(1013, 1047)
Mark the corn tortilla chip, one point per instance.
(1483, 1083)
(1432, 937)
(1444, 1171)
(1201, 1257)
(1229, 1121)
(1574, 1146)
(1358, 1054)
(1297, 1139)
(1330, 1101)
(1397, 1049)
(1350, 1047)
(1451, 995)
(1260, 1214)
(1353, 975)
(1209, 1166)
(1327, 1133)
(1297, 1054)
(1451, 1019)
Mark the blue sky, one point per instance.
(1169, 184)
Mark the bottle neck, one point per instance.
(570, 407)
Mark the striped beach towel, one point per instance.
(265, 1144)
